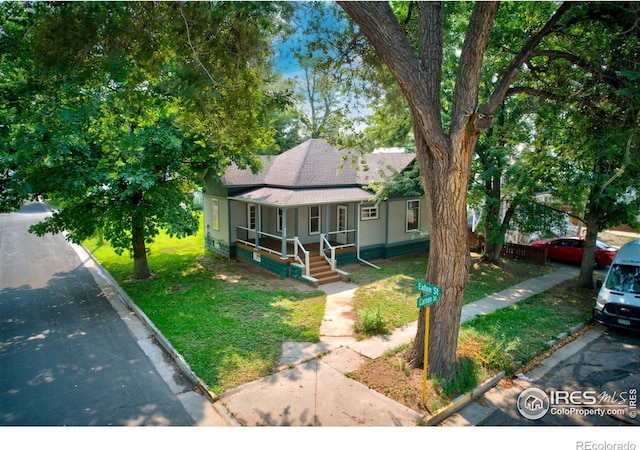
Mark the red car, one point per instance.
(569, 249)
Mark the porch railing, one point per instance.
(325, 241)
(331, 260)
(259, 234)
(291, 243)
(305, 252)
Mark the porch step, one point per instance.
(320, 269)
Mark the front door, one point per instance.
(341, 226)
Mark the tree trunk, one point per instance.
(588, 257)
(140, 264)
(449, 258)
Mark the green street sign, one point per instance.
(428, 289)
(430, 294)
(427, 300)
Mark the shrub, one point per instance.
(370, 322)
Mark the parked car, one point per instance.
(618, 302)
(569, 249)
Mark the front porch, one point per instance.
(315, 263)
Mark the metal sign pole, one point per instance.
(426, 356)
(430, 295)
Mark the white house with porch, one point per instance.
(308, 212)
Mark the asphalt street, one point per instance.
(66, 355)
(595, 386)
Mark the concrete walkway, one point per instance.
(312, 391)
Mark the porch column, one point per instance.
(284, 234)
(326, 222)
(258, 224)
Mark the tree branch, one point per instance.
(608, 77)
(468, 76)
(513, 69)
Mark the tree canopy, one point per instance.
(119, 116)
(456, 64)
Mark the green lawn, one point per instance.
(229, 321)
(227, 325)
(390, 292)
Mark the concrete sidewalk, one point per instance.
(309, 390)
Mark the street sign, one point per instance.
(430, 294)
(427, 300)
(428, 289)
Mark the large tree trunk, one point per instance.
(588, 257)
(140, 264)
(444, 157)
(449, 259)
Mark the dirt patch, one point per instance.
(390, 376)
(238, 272)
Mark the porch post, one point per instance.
(284, 234)
(326, 222)
(258, 224)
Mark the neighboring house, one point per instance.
(308, 211)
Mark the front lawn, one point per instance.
(389, 293)
(229, 319)
(226, 319)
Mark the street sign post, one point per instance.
(430, 295)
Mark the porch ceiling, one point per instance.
(304, 197)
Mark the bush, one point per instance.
(370, 322)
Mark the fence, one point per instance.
(524, 252)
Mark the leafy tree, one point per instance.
(119, 116)
(452, 105)
(587, 117)
(445, 154)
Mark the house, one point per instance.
(308, 212)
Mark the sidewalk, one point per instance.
(309, 390)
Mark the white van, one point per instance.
(618, 302)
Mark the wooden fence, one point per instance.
(524, 252)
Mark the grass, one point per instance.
(230, 321)
(506, 340)
(228, 324)
(389, 293)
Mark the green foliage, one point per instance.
(406, 183)
(465, 379)
(120, 116)
(370, 322)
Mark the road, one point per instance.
(67, 357)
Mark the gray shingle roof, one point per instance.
(315, 163)
(299, 197)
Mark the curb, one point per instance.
(461, 401)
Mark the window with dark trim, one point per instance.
(251, 216)
(413, 215)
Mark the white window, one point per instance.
(251, 216)
(413, 215)
(314, 220)
(215, 214)
(369, 213)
